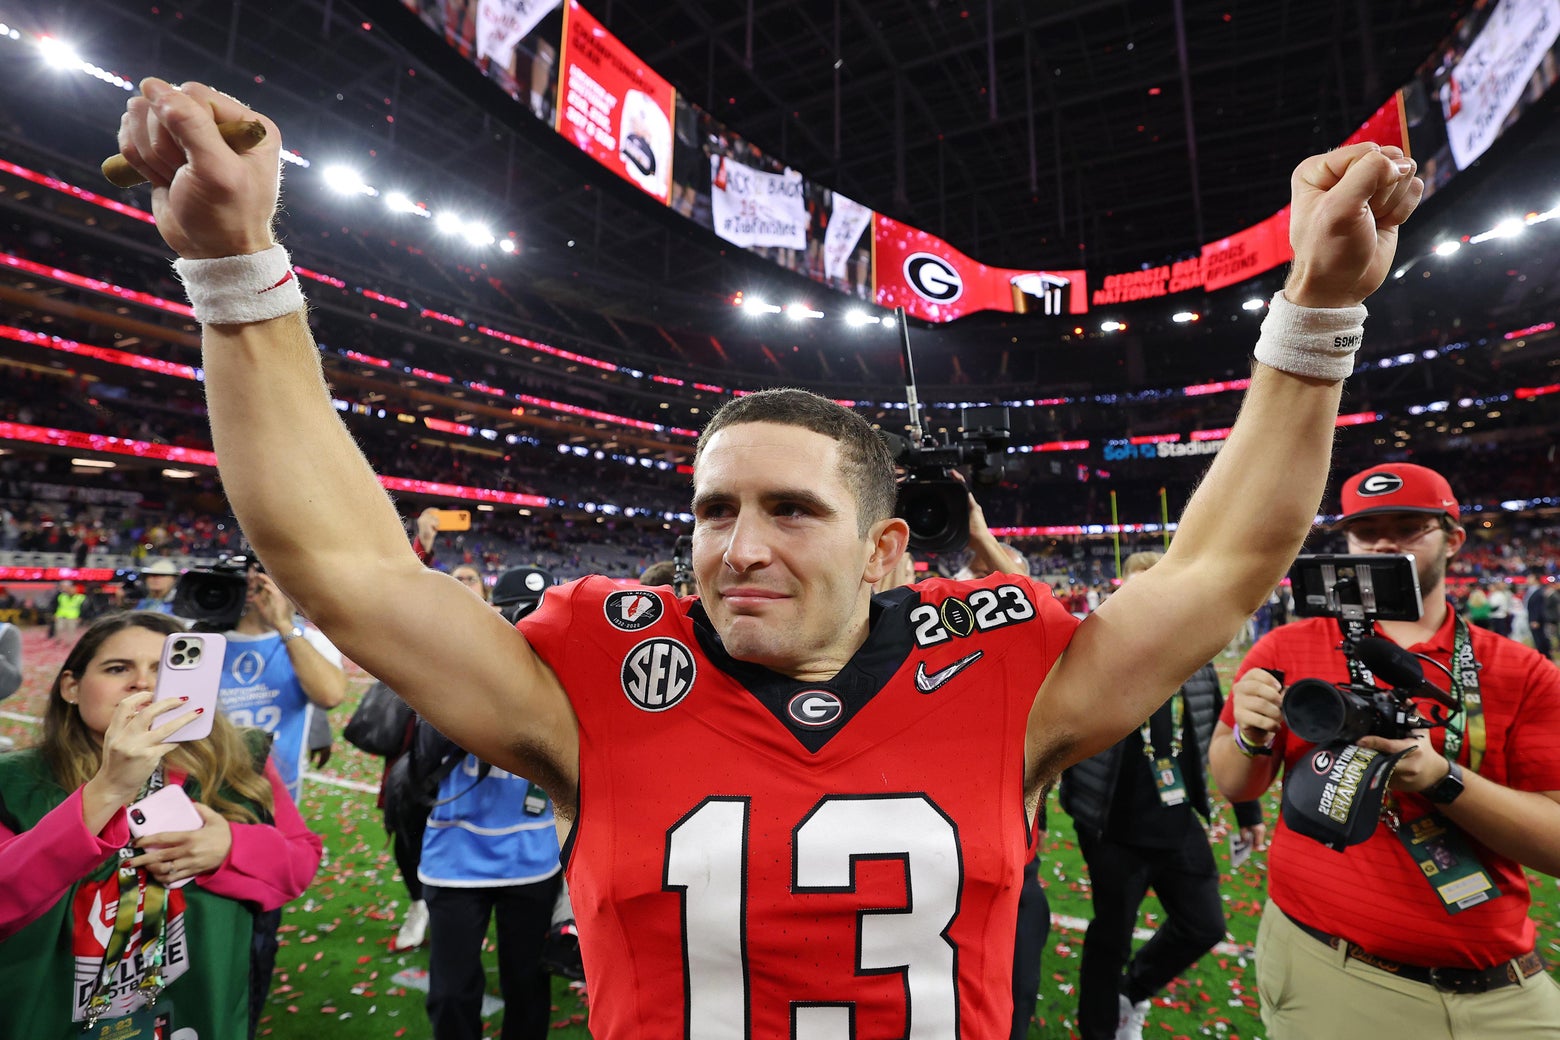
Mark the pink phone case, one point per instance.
(191, 667)
(166, 809)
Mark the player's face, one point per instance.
(782, 572)
(1413, 533)
(126, 663)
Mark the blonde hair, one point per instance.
(222, 764)
(1139, 562)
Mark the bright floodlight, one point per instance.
(1182, 317)
(400, 202)
(798, 311)
(477, 235)
(345, 180)
(1112, 325)
(1256, 303)
(508, 245)
(1509, 227)
(753, 305)
(1448, 247)
(859, 318)
(449, 223)
(59, 54)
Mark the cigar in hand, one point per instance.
(240, 134)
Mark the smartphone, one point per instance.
(166, 809)
(1380, 587)
(191, 667)
(454, 519)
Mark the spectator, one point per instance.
(1135, 807)
(159, 577)
(65, 852)
(1429, 909)
(69, 601)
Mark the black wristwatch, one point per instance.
(1445, 790)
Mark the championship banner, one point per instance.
(1489, 80)
(613, 106)
(501, 24)
(933, 281)
(847, 221)
(754, 209)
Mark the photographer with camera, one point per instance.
(277, 673)
(1420, 926)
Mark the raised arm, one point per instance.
(1248, 518)
(302, 491)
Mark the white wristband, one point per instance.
(1310, 341)
(235, 290)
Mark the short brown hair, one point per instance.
(867, 466)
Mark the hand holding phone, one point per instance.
(191, 668)
(166, 810)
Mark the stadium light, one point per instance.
(798, 311)
(179, 474)
(856, 319)
(347, 181)
(508, 245)
(755, 306)
(449, 223)
(1510, 227)
(58, 53)
(1112, 325)
(1256, 303)
(477, 235)
(1448, 247)
(1182, 317)
(400, 202)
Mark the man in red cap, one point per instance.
(1422, 928)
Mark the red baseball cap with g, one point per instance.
(1398, 487)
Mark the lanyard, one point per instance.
(1177, 713)
(137, 890)
(1465, 690)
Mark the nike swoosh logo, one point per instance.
(931, 683)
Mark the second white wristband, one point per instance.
(1319, 342)
(236, 290)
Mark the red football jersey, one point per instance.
(761, 857)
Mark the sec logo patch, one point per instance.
(631, 610)
(658, 673)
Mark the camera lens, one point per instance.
(138, 816)
(176, 659)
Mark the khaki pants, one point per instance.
(1310, 991)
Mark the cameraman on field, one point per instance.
(1373, 941)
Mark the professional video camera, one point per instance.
(1337, 795)
(1359, 590)
(213, 597)
(683, 582)
(931, 500)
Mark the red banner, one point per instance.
(933, 281)
(613, 106)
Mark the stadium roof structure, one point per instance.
(1106, 134)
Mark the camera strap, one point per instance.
(1465, 690)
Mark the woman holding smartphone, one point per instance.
(97, 926)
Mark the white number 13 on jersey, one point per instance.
(705, 855)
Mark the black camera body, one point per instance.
(1321, 713)
(931, 500)
(213, 597)
(1359, 591)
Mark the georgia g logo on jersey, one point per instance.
(633, 609)
(815, 709)
(1379, 484)
(658, 673)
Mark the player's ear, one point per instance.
(889, 539)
